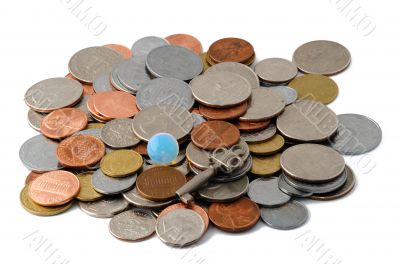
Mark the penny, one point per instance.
(224, 192)
(276, 70)
(322, 56)
(307, 121)
(54, 93)
(87, 88)
(266, 165)
(289, 94)
(115, 104)
(79, 151)
(268, 147)
(223, 113)
(194, 207)
(288, 216)
(35, 119)
(87, 193)
(131, 75)
(143, 46)
(121, 163)
(259, 136)
(186, 41)
(264, 104)
(290, 190)
(215, 134)
(315, 87)
(54, 188)
(251, 127)
(31, 177)
(88, 63)
(93, 112)
(134, 198)
(118, 133)
(231, 49)
(236, 216)
(63, 123)
(265, 191)
(102, 83)
(174, 62)
(104, 208)
(159, 183)
(133, 225)
(357, 134)
(111, 185)
(124, 51)
(141, 148)
(312, 163)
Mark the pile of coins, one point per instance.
(255, 137)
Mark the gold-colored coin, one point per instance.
(95, 125)
(268, 147)
(315, 87)
(39, 210)
(266, 165)
(204, 60)
(87, 193)
(121, 163)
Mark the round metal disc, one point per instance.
(289, 94)
(259, 136)
(289, 190)
(276, 70)
(35, 119)
(104, 208)
(266, 192)
(224, 192)
(102, 83)
(143, 46)
(132, 73)
(118, 133)
(288, 216)
(111, 185)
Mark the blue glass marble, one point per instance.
(162, 148)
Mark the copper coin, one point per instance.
(237, 216)
(186, 41)
(211, 135)
(54, 188)
(252, 126)
(80, 151)
(115, 104)
(96, 115)
(141, 148)
(63, 123)
(159, 183)
(121, 49)
(31, 177)
(212, 113)
(87, 88)
(194, 207)
(231, 49)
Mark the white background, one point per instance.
(37, 40)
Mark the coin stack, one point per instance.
(254, 142)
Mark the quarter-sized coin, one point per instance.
(266, 192)
(87, 193)
(102, 83)
(115, 104)
(276, 70)
(118, 133)
(290, 190)
(238, 68)
(289, 94)
(224, 192)
(266, 165)
(186, 41)
(121, 49)
(198, 209)
(137, 200)
(211, 135)
(143, 46)
(104, 208)
(259, 136)
(121, 163)
(212, 113)
(288, 216)
(35, 119)
(111, 185)
(130, 75)
(87, 87)
(267, 147)
(231, 49)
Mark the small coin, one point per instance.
(231, 49)
(265, 191)
(251, 127)
(186, 41)
(87, 193)
(104, 208)
(134, 198)
(212, 113)
(224, 192)
(121, 163)
(194, 207)
(271, 146)
(276, 70)
(121, 49)
(143, 46)
(31, 177)
(118, 133)
(266, 165)
(259, 136)
(288, 216)
(131, 75)
(289, 94)
(211, 135)
(35, 119)
(290, 190)
(133, 225)
(115, 104)
(111, 185)
(102, 83)
(238, 68)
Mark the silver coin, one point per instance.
(175, 62)
(224, 192)
(109, 185)
(82, 105)
(168, 91)
(143, 46)
(264, 105)
(238, 68)
(259, 136)
(220, 89)
(290, 190)
(197, 119)
(35, 119)
(118, 133)
(102, 83)
(132, 225)
(132, 73)
(39, 154)
(307, 121)
(356, 134)
(180, 227)
(117, 83)
(266, 192)
(105, 208)
(288, 216)
(322, 56)
(134, 198)
(53, 93)
(276, 70)
(88, 63)
(289, 94)
(174, 120)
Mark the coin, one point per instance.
(131, 75)
(102, 83)
(307, 121)
(290, 190)
(124, 51)
(276, 70)
(31, 177)
(231, 49)
(87, 88)
(204, 61)
(251, 127)
(259, 136)
(134, 198)
(104, 208)
(111, 185)
(268, 147)
(215, 134)
(357, 134)
(266, 165)
(289, 94)
(312, 163)
(322, 56)
(141, 148)
(82, 105)
(93, 112)
(35, 119)
(54, 188)
(223, 113)
(132, 225)
(265, 191)
(118, 133)
(86, 192)
(224, 192)
(194, 207)
(315, 87)
(186, 41)
(238, 68)
(236, 216)
(143, 46)
(115, 104)
(288, 216)
(121, 163)
(54, 93)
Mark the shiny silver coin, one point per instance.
(175, 62)
(104, 208)
(102, 83)
(88, 63)
(289, 94)
(132, 74)
(143, 46)
(224, 192)
(290, 190)
(174, 120)
(133, 225)
(356, 134)
(276, 70)
(266, 192)
(264, 104)
(35, 119)
(307, 121)
(165, 90)
(288, 216)
(134, 198)
(220, 89)
(259, 136)
(238, 68)
(111, 185)
(39, 154)
(52, 94)
(180, 227)
(82, 105)
(118, 133)
(197, 119)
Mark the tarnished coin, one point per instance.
(186, 41)
(54, 93)
(212, 113)
(238, 68)
(115, 104)
(137, 200)
(105, 208)
(118, 133)
(198, 209)
(268, 147)
(259, 136)
(288, 216)
(88, 63)
(231, 49)
(276, 70)
(121, 163)
(102, 83)
(290, 190)
(224, 192)
(265, 191)
(143, 46)
(124, 51)
(289, 94)
(111, 185)
(322, 56)
(131, 74)
(211, 135)
(266, 165)
(132, 225)
(35, 119)
(87, 193)
(175, 62)
(357, 134)
(307, 121)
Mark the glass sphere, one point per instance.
(162, 148)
